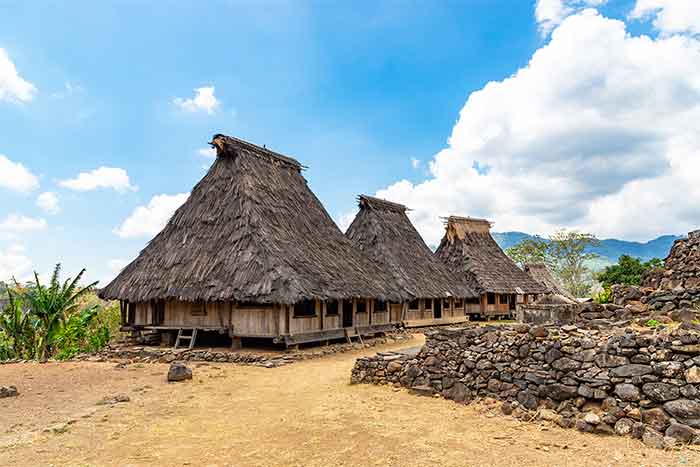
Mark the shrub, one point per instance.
(605, 296)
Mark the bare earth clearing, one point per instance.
(297, 415)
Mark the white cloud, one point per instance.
(15, 224)
(550, 13)
(14, 263)
(670, 16)
(345, 219)
(48, 202)
(415, 163)
(13, 87)
(102, 177)
(209, 153)
(591, 134)
(203, 100)
(146, 221)
(17, 177)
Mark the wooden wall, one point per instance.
(262, 320)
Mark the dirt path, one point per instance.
(304, 414)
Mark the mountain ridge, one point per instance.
(610, 249)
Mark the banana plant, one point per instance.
(52, 305)
(17, 325)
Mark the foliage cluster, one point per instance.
(627, 271)
(58, 319)
(565, 253)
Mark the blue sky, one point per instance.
(374, 97)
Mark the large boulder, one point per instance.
(179, 372)
(685, 411)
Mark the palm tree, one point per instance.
(53, 305)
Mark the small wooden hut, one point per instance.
(430, 294)
(468, 248)
(252, 253)
(540, 273)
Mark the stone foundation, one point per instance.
(625, 382)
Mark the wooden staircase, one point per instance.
(181, 336)
(352, 332)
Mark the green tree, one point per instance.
(568, 251)
(628, 271)
(530, 250)
(53, 304)
(565, 253)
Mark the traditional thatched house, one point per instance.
(253, 253)
(468, 248)
(430, 294)
(540, 273)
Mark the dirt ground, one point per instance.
(305, 414)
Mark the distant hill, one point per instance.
(610, 249)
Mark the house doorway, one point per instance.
(347, 313)
(437, 309)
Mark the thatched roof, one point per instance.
(540, 273)
(383, 232)
(251, 231)
(469, 248)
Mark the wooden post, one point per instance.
(236, 343)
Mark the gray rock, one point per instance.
(527, 399)
(661, 392)
(685, 411)
(559, 392)
(656, 418)
(627, 392)
(624, 426)
(605, 360)
(8, 391)
(681, 433)
(179, 372)
(566, 364)
(633, 369)
(458, 392)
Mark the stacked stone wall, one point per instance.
(636, 383)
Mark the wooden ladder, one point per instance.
(184, 337)
(352, 332)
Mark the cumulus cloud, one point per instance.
(48, 202)
(16, 177)
(13, 87)
(204, 100)
(670, 16)
(209, 153)
(14, 263)
(146, 221)
(102, 177)
(591, 134)
(550, 13)
(15, 224)
(415, 163)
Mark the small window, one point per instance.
(445, 304)
(379, 306)
(198, 309)
(414, 305)
(491, 298)
(331, 307)
(459, 303)
(428, 304)
(473, 301)
(347, 306)
(306, 308)
(361, 307)
(504, 299)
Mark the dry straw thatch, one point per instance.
(540, 273)
(383, 232)
(468, 247)
(251, 231)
